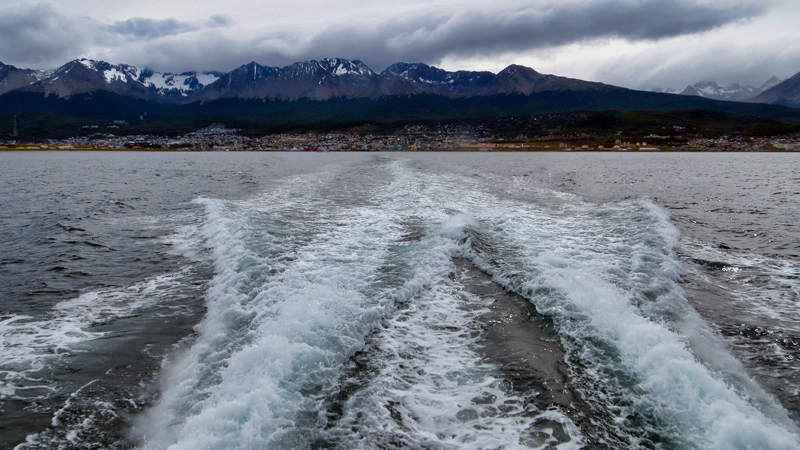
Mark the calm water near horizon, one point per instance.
(399, 300)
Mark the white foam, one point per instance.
(66, 431)
(30, 344)
(185, 241)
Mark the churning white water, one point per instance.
(321, 272)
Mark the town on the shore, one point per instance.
(217, 137)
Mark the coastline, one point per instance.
(452, 150)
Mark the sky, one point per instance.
(640, 44)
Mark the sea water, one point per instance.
(366, 301)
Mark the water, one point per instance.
(422, 300)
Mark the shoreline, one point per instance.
(454, 150)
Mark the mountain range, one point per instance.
(313, 80)
(734, 92)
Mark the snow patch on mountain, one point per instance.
(184, 83)
(114, 74)
(340, 67)
(42, 74)
(341, 71)
(206, 78)
(88, 63)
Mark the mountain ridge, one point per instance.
(734, 92)
(315, 80)
(331, 78)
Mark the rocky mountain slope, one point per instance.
(12, 78)
(786, 93)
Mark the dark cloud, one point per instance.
(143, 28)
(219, 21)
(717, 58)
(37, 35)
(140, 27)
(430, 38)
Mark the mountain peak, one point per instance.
(399, 67)
(89, 64)
(12, 78)
(419, 72)
(785, 93)
(774, 81)
(341, 67)
(518, 69)
(250, 71)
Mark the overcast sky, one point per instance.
(633, 43)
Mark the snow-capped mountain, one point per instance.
(314, 80)
(84, 75)
(734, 92)
(786, 93)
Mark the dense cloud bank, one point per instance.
(42, 36)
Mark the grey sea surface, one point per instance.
(399, 300)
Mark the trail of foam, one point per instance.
(305, 277)
(286, 308)
(301, 284)
(608, 277)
